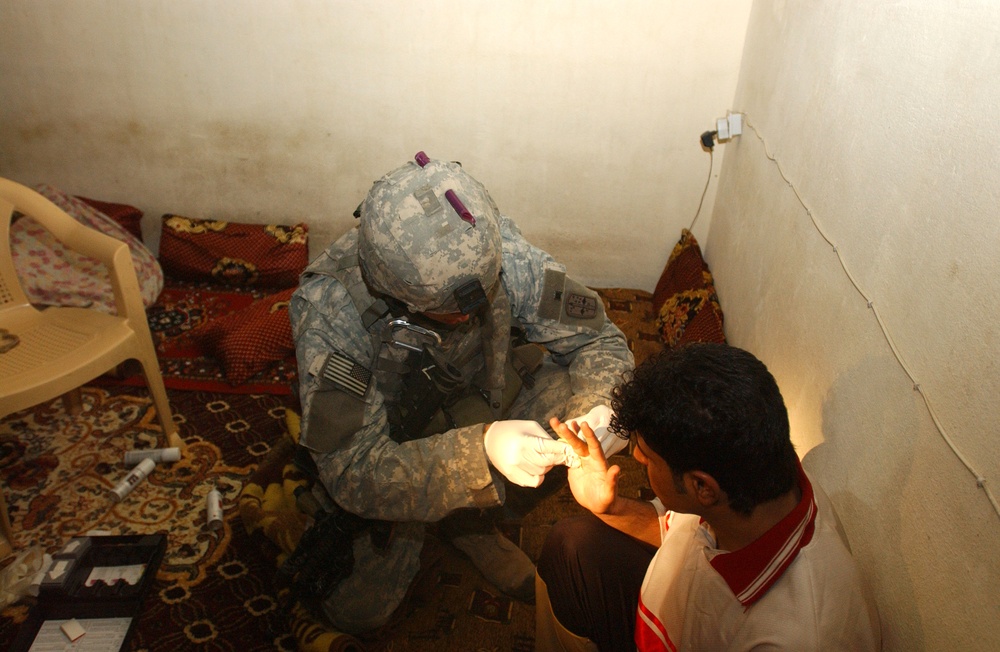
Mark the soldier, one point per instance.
(431, 341)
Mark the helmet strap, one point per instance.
(496, 342)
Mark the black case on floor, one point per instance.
(64, 593)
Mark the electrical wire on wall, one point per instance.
(707, 143)
(980, 480)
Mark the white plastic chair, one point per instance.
(49, 353)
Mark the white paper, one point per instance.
(103, 635)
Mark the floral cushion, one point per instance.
(684, 300)
(232, 253)
(53, 275)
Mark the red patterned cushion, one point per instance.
(249, 340)
(128, 217)
(684, 300)
(242, 255)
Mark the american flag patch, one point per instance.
(347, 374)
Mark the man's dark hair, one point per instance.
(714, 408)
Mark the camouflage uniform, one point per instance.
(410, 483)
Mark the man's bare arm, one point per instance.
(595, 486)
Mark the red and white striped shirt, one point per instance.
(795, 588)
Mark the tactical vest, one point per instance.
(434, 379)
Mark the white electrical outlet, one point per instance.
(722, 129)
(735, 121)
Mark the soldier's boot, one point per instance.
(499, 559)
(501, 562)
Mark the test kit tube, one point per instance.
(134, 477)
(158, 455)
(213, 509)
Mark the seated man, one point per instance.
(430, 340)
(740, 550)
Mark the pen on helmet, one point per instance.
(459, 207)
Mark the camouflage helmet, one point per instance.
(417, 245)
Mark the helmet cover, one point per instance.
(413, 244)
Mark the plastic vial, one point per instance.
(213, 508)
(158, 455)
(134, 477)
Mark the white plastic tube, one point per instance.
(213, 509)
(135, 476)
(158, 455)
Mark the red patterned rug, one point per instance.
(213, 589)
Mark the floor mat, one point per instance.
(211, 591)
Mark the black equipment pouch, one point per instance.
(426, 388)
(474, 406)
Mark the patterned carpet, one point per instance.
(217, 590)
(212, 592)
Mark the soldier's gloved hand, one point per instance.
(523, 451)
(598, 419)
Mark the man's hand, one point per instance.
(599, 418)
(593, 483)
(523, 451)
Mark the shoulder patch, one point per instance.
(569, 302)
(347, 374)
(579, 306)
(336, 406)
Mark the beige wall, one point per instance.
(875, 112)
(581, 117)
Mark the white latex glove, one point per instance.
(598, 419)
(523, 451)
